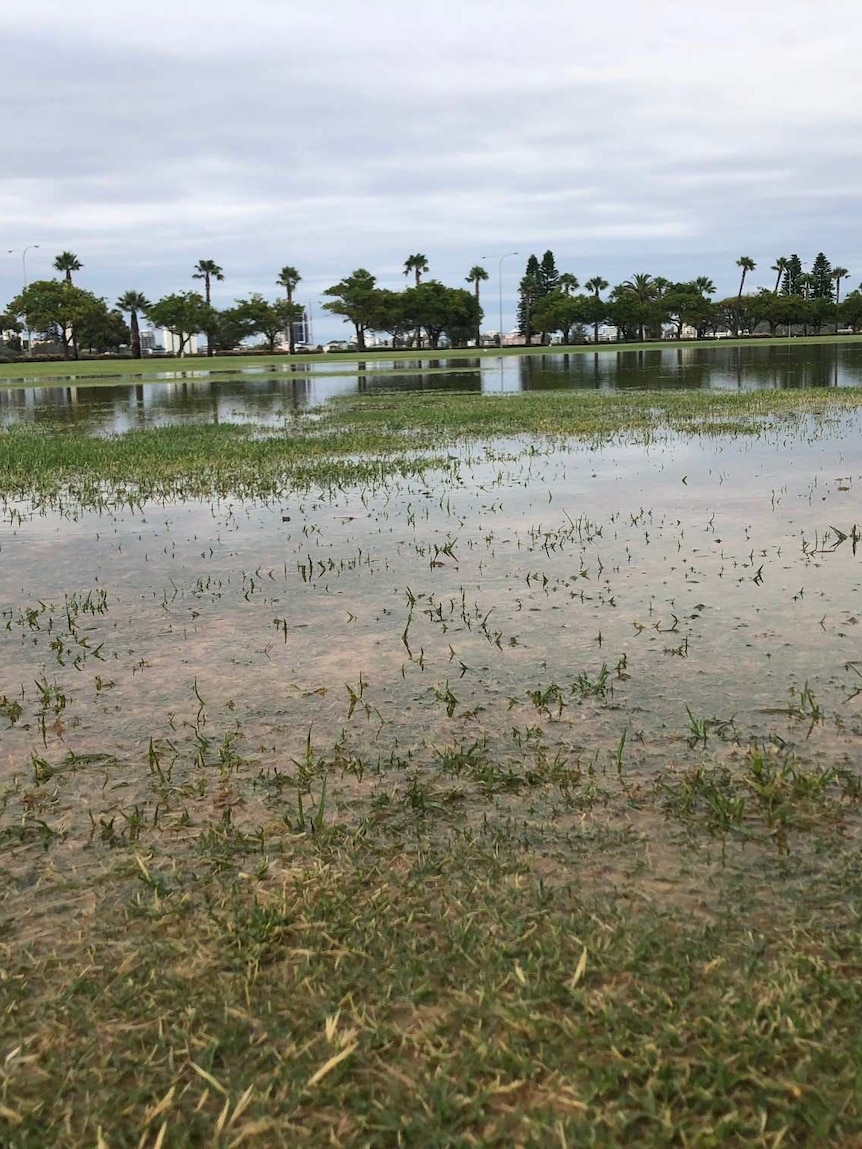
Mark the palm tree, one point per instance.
(704, 285)
(477, 275)
(133, 302)
(643, 288)
(207, 270)
(661, 286)
(839, 273)
(747, 264)
(568, 283)
(67, 262)
(779, 267)
(288, 278)
(596, 285)
(418, 264)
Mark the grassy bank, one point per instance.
(150, 370)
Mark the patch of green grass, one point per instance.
(340, 995)
(364, 441)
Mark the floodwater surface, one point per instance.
(270, 393)
(616, 609)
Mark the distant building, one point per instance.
(301, 329)
(164, 342)
(171, 343)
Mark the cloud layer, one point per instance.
(626, 137)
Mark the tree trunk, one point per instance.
(136, 335)
(207, 292)
(291, 347)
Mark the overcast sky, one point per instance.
(667, 136)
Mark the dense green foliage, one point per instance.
(430, 313)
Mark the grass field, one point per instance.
(547, 917)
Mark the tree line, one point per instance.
(427, 312)
(61, 311)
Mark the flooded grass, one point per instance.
(435, 771)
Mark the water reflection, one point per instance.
(271, 392)
(749, 368)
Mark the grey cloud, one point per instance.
(147, 146)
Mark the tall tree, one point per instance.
(851, 310)
(261, 317)
(747, 264)
(417, 264)
(561, 312)
(790, 284)
(596, 285)
(642, 290)
(529, 290)
(183, 314)
(779, 267)
(100, 329)
(686, 305)
(839, 273)
(67, 262)
(442, 310)
(477, 275)
(549, 277)
(568, 283)
(288, 278)
(58, 309)
(821, 275)
(207, 270)
(134, 302)
(354, 298)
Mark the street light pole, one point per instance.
(500, 289)
(14, 251)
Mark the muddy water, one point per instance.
(527, 606)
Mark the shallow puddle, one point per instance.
(500, 642)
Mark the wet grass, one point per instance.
(360, 439)
(475, 884)
(412, 980)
